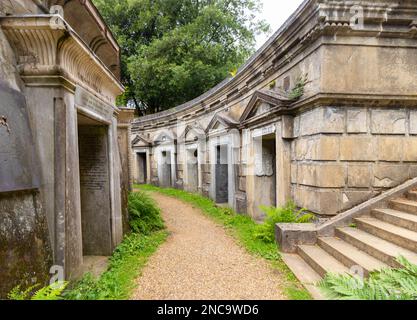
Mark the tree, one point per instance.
(175, 50)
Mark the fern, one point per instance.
(18, 294)
(386, 284)
(298, 91)
(287, 214)
(144, 215)
(51, 292)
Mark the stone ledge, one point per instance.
(290, 235)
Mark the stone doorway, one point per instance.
(166, 169)
(222, 174)
(265, 173)
(93, 146)
(192, 170)
(142, 175)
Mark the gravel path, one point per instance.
(200, 261)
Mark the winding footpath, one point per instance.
(200, 261)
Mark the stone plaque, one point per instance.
(18, 163)
(264, 131)
(93, 105)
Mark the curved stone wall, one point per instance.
(257, 139)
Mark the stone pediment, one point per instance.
(141, 141)
(262, 103)
(165, 137)
(192, 133)
(221, 122)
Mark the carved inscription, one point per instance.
(93, 162)
(92, 104)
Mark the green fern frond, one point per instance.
(386, 284)
(51, 292)
(18, 294)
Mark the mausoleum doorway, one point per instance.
(165, 169)
(94, 167)
(265, 173)
(142, 171)
(222, 174)
(192, 169)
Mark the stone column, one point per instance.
(124, 120)
(283, 159)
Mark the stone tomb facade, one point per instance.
(323, 114)
(63, 189)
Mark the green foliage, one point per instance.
(51, 292)
(287, 214)
(387, 284)
(298, 91)
(243, 229)
(129, 257)
(144, 214)
(125, 265)
(173, 51)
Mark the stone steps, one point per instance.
(398, 218)
(350, 256)
(405, 205)
(375, 242)
(320, 260)
(412, 195)
(380, 249)
(397, 235)
(304, 273)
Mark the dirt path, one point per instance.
(200, 261)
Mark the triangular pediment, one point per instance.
(192, 133)
(262, 103)
(218, 126)
(221, 122)
(140, 141)
(165, 137)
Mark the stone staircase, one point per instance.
(372, 242)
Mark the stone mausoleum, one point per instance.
(324, 114)
(64, 145)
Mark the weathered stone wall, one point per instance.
(25, 253)
(8, 7)
(346, 155)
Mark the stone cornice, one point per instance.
(47, 52)
(313, 20)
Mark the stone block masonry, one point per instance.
(369, 150)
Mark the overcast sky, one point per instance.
(276, 12)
